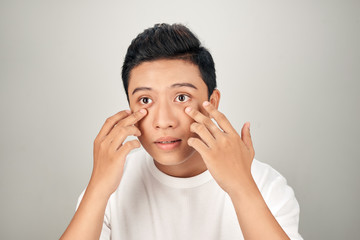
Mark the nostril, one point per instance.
(162, 126)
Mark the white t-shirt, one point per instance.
(149, 204)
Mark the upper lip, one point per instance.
(166, 139)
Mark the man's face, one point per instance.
(165, 88)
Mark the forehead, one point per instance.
(161, 74)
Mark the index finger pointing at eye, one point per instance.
(134, 118)
(196, 115)
(219, 117)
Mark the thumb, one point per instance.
(246, 137)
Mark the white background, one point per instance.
(291, 68)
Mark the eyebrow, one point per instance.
(183, 85)
(141, 89)
(172, 86)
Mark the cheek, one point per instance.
(135, 108)
(143, 124)
(194, 104)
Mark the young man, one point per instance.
(194, 180)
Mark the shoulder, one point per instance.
(274, 188)
(279, 197)
(264, 174)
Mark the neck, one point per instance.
(189, 168)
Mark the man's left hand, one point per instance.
(227, 155)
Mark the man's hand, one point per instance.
(228, 158)
(227, 155)
(110, 152)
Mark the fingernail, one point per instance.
(143, 111)
(206, 103)
(188, 109)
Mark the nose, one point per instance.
(164, 116)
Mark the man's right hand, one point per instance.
(110, 151)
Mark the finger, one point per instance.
(246, 137)
(125, 149)
(203, 133)
(219, 117)
(198, 145)
(134, 118)
(118, 136)
(201, 118)
(111, 121)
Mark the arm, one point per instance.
(109, 158)
(228, 157)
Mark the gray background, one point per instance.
(291, 68)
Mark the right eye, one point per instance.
(145, 100)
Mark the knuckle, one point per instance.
(138, 114)
(130, 144)
(109, 120)
(135, 130)
(134, 143)
(208, 122)
(122, 131)
(96, 141)
(214, 127)
(201, 127)
(129, 130)
(102, 145)
(221, 116)
(196, 114)
(132, 118)
(225, 141)
(109, 151)
(127, 144)
(194, 126)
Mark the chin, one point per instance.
(171, 158)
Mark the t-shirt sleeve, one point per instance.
(281, 201)
(106, 228)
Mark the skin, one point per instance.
(169, 98)
(163, 88)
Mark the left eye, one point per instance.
(182, 98)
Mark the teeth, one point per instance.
(164, 142)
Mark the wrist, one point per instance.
(97, 191)
(246, 190)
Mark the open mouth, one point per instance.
(167, 142)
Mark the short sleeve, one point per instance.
(106, 228)
(282, 203)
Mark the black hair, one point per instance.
(164, 41)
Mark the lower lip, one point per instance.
(168, 146)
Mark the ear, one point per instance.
(215, 98)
